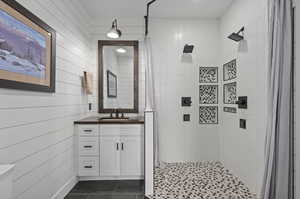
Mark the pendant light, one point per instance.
(114, 32)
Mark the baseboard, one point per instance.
(65, 189)
(92, 178)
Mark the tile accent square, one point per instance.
(208, 94)
(229, 93)
(208, 75)
(208, 114)
(229, 70)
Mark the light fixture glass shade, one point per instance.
(114, 32)
(121, 50)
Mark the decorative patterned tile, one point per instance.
(229, 93)
(229, 70)
(208, 114)
(208, 75)
(198, 180)
(208, 94)
(230, 109)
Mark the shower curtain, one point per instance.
(278, 176)
(151, 99)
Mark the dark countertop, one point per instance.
(96, 120)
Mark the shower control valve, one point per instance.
(242, 102)
(186, 101)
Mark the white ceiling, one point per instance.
(161, 8)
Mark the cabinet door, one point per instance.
(132, 162)
(110, 155)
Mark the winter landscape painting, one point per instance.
(22, 49)
(27, 49)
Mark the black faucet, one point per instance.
(117, 113)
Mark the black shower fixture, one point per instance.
(186, 101)
(147, 16)
(242, 102)
(236, 36)
(188, 48)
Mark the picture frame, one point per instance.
(27, 50)
(112, 84)
(230, 70)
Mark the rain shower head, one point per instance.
(188, 48)
(236, 36)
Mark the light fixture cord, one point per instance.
(115, 24)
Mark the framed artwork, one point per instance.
(27, 50)
(208, 114)
(229, 109)
(208, 75)
(208, 94)
(229, 70)
(112, 85)
(229, 93)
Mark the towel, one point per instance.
(88, 82)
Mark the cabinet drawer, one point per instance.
(88, 130)
(109, 130)
(88, 146)
(88, 166)
(135, 130)
(121, 129)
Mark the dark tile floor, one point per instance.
(125, 189)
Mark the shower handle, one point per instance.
(242, 102)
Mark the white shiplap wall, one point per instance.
(36, 129)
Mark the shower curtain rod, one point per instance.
(147, 17)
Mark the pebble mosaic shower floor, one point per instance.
(201, 180)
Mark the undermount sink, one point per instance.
(113, 119)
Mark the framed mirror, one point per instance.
(118, 76)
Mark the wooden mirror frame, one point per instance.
(135, 45)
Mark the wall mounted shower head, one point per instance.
(188, 48)
(236, 36)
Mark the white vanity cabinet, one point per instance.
(111, 151)
(88, 150)
(122, 151)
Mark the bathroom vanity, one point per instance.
(110, 149)
(113, 147)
